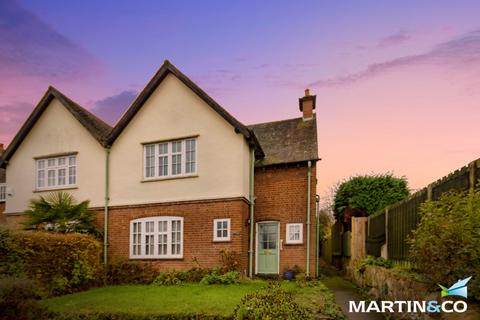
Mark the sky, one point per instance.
(397, 82)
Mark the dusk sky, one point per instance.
(397, 83)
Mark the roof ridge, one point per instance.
(276, 121)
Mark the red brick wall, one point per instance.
(281, 194)
(199, 248)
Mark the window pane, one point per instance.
(51, 162)
(41, 164)
(41, 179)
(150, 161)
(163, 148)
(51, 178)
(62, 161)
(163, 165)
(72, 161)
(72, 175)
(176, 164)
(61, 177)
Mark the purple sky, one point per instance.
(397, 83)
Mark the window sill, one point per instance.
(293, 243)
(55, 189)
(221, 240)
(169, 178)
(155, 258)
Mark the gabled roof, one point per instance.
(287, 141)
(168, 68)
(95, 126)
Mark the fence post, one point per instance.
(472, 166)
(384, 252)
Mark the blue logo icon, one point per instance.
(459, 288)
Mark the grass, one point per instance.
(144, 299)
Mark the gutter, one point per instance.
(317, 234)
(309, 179)
(105, 211)
(252, 211)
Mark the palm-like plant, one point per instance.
(60, 212)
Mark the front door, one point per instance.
(267, 247)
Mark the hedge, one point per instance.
(58, 263)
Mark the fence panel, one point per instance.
(402, 220)
(347, 243)
(376, 234)
(459, 180)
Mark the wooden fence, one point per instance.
(393, 225)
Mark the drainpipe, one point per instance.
(309, 178)
(105, 212)
(252, 211)
(317, 234)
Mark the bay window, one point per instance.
(156, 238)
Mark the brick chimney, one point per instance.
(307, 105)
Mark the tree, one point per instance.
(59, 212)
(368, 194)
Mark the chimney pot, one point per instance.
(307, 105)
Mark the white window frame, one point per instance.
(215, 229)
(287, 236)
(3, 192)
(67, 166)
(156, 233)
(170, 155)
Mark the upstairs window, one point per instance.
(170, 159)
(294, 233)
(3, 192)
(156, 238)
(56, 172)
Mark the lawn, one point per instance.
(145, 299)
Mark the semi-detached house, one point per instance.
(177, 179)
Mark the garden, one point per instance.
(54, 270)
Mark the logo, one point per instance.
(459, 288)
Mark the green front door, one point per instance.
(267, 247)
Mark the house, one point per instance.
(177, 179)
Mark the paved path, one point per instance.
(345, 291)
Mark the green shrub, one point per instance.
(11, 255)
(123, 271)
(59, 263)
(369, 193)
(127, 316)
(17, 299)
(445, 247)
(226, 278)
(272, 302)
(59, 212)
(178, 277)
(373, 261)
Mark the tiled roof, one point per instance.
(287, 141)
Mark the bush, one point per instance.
(230, 260)
(179, 277)
(17, 299)
(373, 261)
(272, 302)
(59, 212)
(227, 278)
(128, 316)
(445, 247)
(59, 263)
(11, 255)
(123, 271)
(369, 194)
